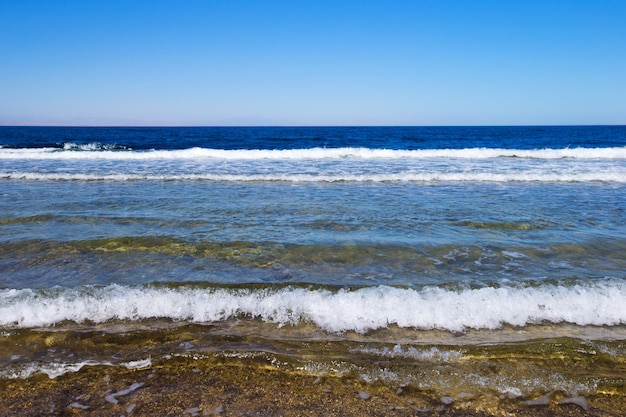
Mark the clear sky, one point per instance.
(265, 62)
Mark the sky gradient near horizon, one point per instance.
(312, 62)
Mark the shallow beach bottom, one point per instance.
(189, 386)
(251, 368)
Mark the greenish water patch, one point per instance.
(505, 226)
(516, 369)
(142, 259)
(40, 218)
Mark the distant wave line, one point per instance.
(428, 177)
(92, 151)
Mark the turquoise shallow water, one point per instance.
(333, 234)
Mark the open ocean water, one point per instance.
(464, 261)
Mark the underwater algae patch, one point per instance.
(170, 369)
(251, 386)
(186, 386)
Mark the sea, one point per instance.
(464, 261)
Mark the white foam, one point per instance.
(90, 147)
(428, 177)
(432, 354)
(344, 310)
(97, 151)
(317, 165)
(55, 369)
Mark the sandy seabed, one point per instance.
(188, 386)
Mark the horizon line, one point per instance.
(299, 126)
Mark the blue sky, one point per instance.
(430, 62)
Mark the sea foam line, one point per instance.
(92, 152)
(335, 311)
(55, 369)
(521, 176)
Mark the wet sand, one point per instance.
(191, 386)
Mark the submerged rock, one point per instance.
(579, 401)
(364, 395)
(194, 411)
(134, 387)
(80, 406)
(447, 400)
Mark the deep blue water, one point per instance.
(141, 138)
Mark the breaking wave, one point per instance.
(118, 152)
(359, 310)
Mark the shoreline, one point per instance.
(193, 386)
